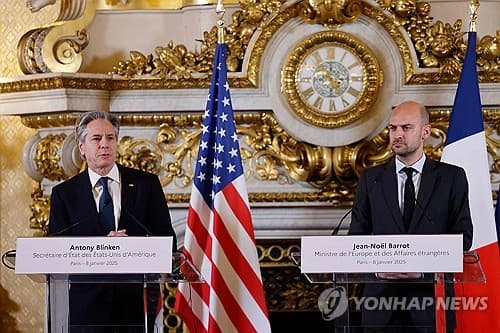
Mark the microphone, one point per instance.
(63, 230)
(424, 211)
(337, 227)
(106, 202)
(136, 221)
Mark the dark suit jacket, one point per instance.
(73, 208)
(142, 197)
(442, 208)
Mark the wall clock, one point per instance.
(331, 79)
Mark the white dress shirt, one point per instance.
(114, 187)
(401, 176)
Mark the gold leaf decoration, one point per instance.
(176, 62)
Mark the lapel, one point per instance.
(390, 189)
(128, 191)
(428, 182)
(85, 191)
(87, 206)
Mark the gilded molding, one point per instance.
(109, 84)
(153, 5)
(57, 47)
(268, 153)
(267, 32)
(56, 83)
(31, 85)
(388, 23)
(438, 45)
(338, 196)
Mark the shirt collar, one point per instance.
(114, 174)
(418, 165)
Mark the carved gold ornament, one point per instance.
(40, 209)
(47, 157)
(58, 46)
(438, 45)
(176, 62)
(269, 153)
(488, 50)
(331, 79)
(330, 13)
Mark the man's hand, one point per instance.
(118, 233)
(398, 276)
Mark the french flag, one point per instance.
(466, 147)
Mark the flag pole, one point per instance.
(221, 29)
(474, 7)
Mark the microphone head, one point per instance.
(107, 201)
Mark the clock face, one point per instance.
(331, 79)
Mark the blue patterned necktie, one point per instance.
(409, 197)
(106, 214)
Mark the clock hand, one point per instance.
(333, 83)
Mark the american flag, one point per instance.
(219, 236)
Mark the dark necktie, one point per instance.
(106, 214)
(409, 197)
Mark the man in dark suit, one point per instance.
(431, 198)
(107, 199)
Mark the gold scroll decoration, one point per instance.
(330, 13)
(268, 152)
(57, 47)
(438, 45)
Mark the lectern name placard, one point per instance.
(87, 255)
(377, 254)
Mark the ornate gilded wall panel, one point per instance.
(438, 45)
(21, 299)
(280, 168)
(269, 153)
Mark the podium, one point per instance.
(344, 304)
(60, 274)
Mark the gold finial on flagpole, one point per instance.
(221, 29)
(474, 7)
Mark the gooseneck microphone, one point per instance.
(337, 227)
(63, 230)
(424, 211)
(136, 221)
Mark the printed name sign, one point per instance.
(88, 255)
(378, 254)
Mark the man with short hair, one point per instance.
(107, 199)
(411, 194)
